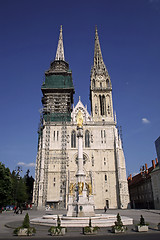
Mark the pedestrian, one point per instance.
(21, 210)
(15, 209)
(105, 209)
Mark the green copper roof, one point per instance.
(57, 117)
(58, 81)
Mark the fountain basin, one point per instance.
(99, 220)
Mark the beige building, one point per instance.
(56, 163)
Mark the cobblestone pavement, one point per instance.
(9, 221)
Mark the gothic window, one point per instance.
(87, 139)
(54, 135)
(96, 109)
(107, 83)
(104, 161)
(93, 83)
(100, 85)
(73, 139)
(100, 99)
(108, 109)
(108, 105)
(102, 104)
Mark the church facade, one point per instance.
(103, 157)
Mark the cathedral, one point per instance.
(57, 153)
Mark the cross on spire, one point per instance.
(60, 48)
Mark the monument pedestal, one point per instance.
(83, 207)
(80, 202)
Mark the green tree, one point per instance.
(29, 180)
(19, 190)
(5, 186)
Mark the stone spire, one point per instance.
(101, 87)
(98, 59)
(60, 48)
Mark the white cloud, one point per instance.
(145, 121)
(26, 164)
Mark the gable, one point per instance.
(83, 109)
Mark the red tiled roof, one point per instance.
(140, 177)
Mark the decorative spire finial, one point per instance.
(60, 49)
(96, 32)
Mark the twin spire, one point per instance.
(60, 48)
(98, 59)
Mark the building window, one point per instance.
(107, 83)
(104, 161)
(105, 177)
(87, 139)
(73, 139)
(57, 135)
(104, 136)
(92, 161)
(102, 104)
(54, 134)
(93, 83)
(101, 134)
(54, 181)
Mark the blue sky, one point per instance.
(129, 35)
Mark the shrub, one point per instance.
(119, 221)
(142, 221)
(90, 229)
(118, 225)
(26, 221)
(30, 230)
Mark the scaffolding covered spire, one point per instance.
(60, 48)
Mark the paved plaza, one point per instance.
(9, 221)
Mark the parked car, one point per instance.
(9, 207)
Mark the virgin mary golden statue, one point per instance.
(79, 119)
